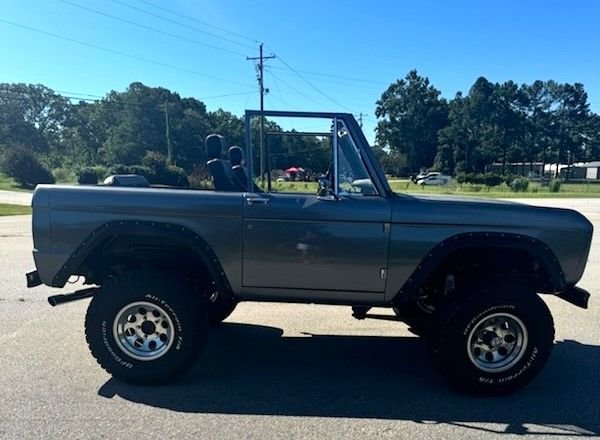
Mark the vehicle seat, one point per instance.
(219, 169)
(240, 176)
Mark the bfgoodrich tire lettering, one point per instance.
(499, 310)
(163, 298)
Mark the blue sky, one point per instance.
(375, 42)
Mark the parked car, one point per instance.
(164, 264)
(434, 179)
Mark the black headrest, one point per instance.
(214, 145)
(236, 155)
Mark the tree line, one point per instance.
(147, 130)
(154, 131)
(545, 121)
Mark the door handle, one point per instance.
(257, 200)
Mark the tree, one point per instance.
(411, 113)
(31, 115)
(392, 162)
(23, 166)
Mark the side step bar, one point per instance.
(80, 294)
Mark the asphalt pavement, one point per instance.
(15, 197)
(281, 371)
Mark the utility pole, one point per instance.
(168, 133)
(360, 115)
(261, 58)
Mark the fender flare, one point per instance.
(145, 228)
(442, 250)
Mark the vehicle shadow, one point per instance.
(251, 369)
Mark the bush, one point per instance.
(460, 177)
(25, 168)
(520, 184)
(487, 179)
(119, 169)
(509, 178)
(173, 176)
(491, 179)
(64, 175)
(155, 160)
(169, 175)
(200, 178)
(87, 176)
(554, 185)
(141, 170)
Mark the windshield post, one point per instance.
(249, 152)
(335, 157)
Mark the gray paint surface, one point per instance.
(299, 243)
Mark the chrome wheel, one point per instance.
(143, 331)
(497, 342)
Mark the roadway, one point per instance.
(281, 371)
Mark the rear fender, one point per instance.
(145, 229)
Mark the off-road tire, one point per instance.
(458, 318)
(185, 309)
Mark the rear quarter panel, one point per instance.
(75, 212)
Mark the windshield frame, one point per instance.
(364, 150)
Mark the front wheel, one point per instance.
(146, 327)
(491, 339)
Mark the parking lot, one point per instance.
(281, 371)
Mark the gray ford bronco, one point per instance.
(166, 264)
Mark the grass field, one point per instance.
(14, 209)
(407, 187)
(9, 184)
(501, 191)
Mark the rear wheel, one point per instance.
(491, 339)
(146, 327)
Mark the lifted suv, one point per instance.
(168, 263)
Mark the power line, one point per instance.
(177, 14)
(133, 23)
(313, 86)
(283, 71)
(279, 92)
(103, 100)
(124, 54)
(161, 17)
(16, 87)
(327, 75)
(310, 98)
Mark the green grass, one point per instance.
(14, 209)
(6, 183)
(501, 191)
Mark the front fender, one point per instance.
(435, 256)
